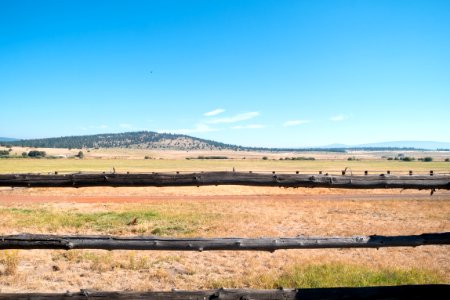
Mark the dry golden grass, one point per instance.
(211, 212)
(221, 211)
(132, 160)
(9, 260)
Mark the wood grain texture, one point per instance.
(227, 178)
(31, 241)
(410, 292)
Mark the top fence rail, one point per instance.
(431, 181)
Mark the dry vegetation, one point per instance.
(221, 211)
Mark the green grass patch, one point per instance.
(98, 221)
(21, 211)
(171, 230)
(148, 221)
(335, 275)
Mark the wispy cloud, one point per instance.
(90, 127)
(126, 126)
(199, 128)
(214, 112)
(103, 126)
(295, 122)
(235, 118)
(338, 118)
(251, 126)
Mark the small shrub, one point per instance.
(10, 260)
(80, 155)
(265, 158)
(447, 159)
(305, 158)
(24, 154)
(427, 159)
(37, 154)
(408, 158)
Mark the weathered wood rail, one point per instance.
(30, 241)
(65, 242)
(228, 178)
(405, 292)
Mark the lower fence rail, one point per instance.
(410, 292)
(38, 241)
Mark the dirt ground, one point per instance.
(236, 211)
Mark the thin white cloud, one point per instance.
(199, 128)
(126, 126)
(236, 118)
(95, 127)
(103, 126)
(295, 122)
(214, 112)
(338, 118)
(251, 126)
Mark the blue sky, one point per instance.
(255, 73)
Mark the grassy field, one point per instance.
(288, 215)
(220, 211)
(171, 165)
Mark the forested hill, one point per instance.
(141, 139)
(154, 140)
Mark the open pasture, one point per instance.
(183, 165)
(222, 211)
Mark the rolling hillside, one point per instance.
(5, 139)
(141, 139)
(155, 140)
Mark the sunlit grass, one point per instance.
(9, 259)
(147, 222)
(332, 275)
(172, 165)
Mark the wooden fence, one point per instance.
(30, 241)
(408, 292)
(431, 182)
(67, 242)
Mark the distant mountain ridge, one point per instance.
(6, 139)
(422, 145)
(155, 140)
(429, 145)
(139, 139)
